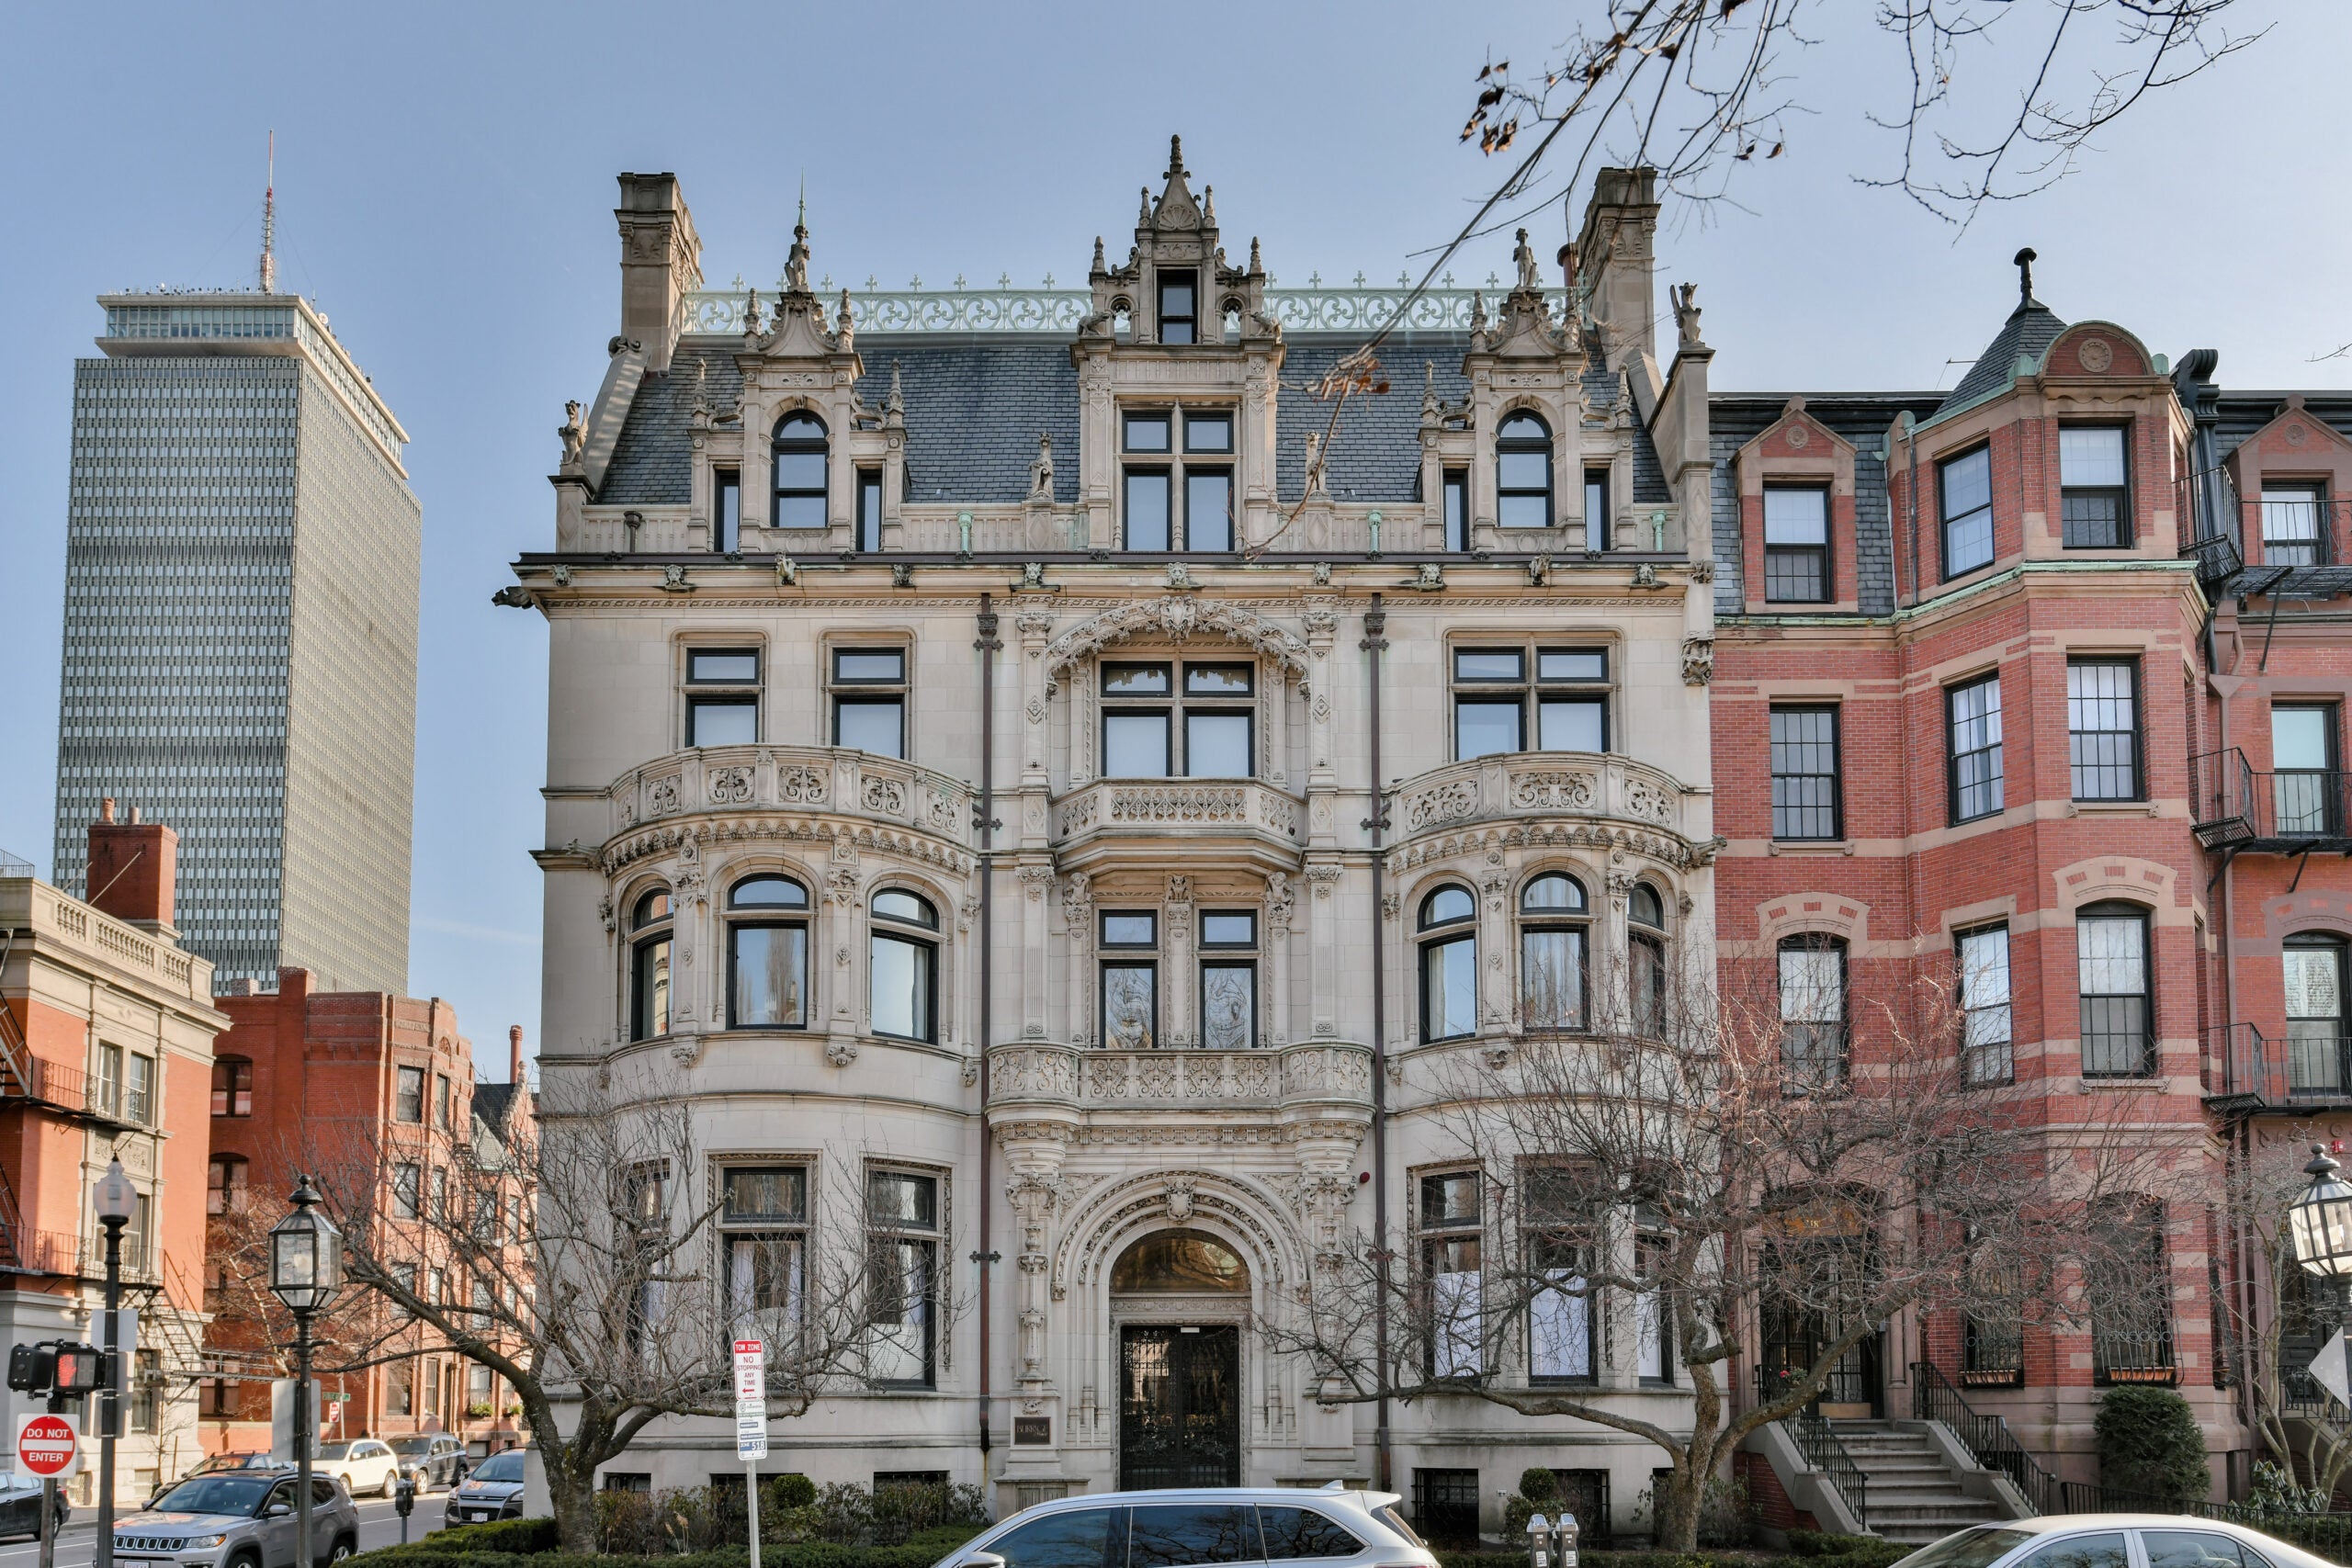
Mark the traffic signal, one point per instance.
(80, 1369)
(32, 1368)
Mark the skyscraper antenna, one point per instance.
(269, 223)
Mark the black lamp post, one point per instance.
(2321, 1220)
(114, 1198)
(305, 1271)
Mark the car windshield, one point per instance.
(216, 1494)
(507, 1466)
(334, 1450)
(1970, 1549)
(410, 1447)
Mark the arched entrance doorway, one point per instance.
(1178, 1297)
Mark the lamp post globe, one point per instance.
(2320, 1222)
(305, 1272)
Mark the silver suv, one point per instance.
(1327, 1528)
(240, 1518)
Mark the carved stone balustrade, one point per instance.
(1312, 1081)
(787, 792)
(1141, 821)
(1565, 797)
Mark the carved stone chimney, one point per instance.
(133, 868)
(660, 264)
(514, 1053)
(1614, 252)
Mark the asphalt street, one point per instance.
(379, 1526)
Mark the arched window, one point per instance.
(1813, 1013)
(1553, 951)
(648, 927)
(226, 1185)
(767, 954)
(1184, 1262)
(2315, 975)
(1645, 976)
(799, 451)
(905, 966)
(1524, 472)
(233, 1086)
(1449, 964)
(2117, 1009)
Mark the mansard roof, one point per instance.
(2031, 329)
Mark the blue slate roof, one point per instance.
(2031, 329)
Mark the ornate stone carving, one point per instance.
(662, 796)
(1703, 570)
(605, 911)
(1177, 619)
(1445, 802)
(1035, 880)
(841, 1051)
(731, 786)
(1646, 801)
(1698, 661)
(840, 886)
(1033, 623)
(886, 796)
(1553, 790)
(1177, 1191)
(801, 786)
(1078, 901)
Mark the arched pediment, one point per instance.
(1234, 1211)
(1180, 619)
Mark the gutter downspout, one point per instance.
(984, 819)
(1375, 623)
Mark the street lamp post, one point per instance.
(2321, 1220)
(305, 1271)
(114, 1198)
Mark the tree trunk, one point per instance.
(573, 1498)
(1674, 1505)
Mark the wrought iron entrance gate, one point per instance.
(1179, 1406)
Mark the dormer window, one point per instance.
(1179, 307)
(1154, 474)
(1796, 544)
(2093, 487)
(1524, 472)
(799, 449)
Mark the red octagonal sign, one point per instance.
(45, 1445)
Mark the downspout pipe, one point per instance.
(1375, 625)
(984, 821)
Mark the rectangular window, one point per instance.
(1653, 1312)
(399, 1383)
(1489, 703)
(232, 1087)
(408, 1096)
(1965, 491)
(2313, 971)
(1143, 720)
(1560, 1241)
(107, 1093)
(1147, 431)
(1129, 939)
(903, 1231)
(1145, 510)
(1796, 545)
(2094, 511)
(767, 974)
(869, 695)
(1136, 712)
(1449, 1220)
(440, 1100)
(2117, 1012)
(2103, 727)
(404, 1192)
(722, 696)
(1179, 307)
(1208, 431)
(726, 509)
(1973, 755)
(2291, 534)
(438, 1185)
(1596, 509)
(763, 1232)
(1806, 797)
(869, 510)
(1208, 507)
(2128, 1281)
(2305, 784)
(1493, 698)
(1228, 980)
(1218, 720)
(139, 1090)
(1457, 510)
(1813, 1013)
(1445, 1506)
(1985, 1044)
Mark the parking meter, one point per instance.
(404, 1503)
(1539, 1536)
(1564, 1540)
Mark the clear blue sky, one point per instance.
(445, 179)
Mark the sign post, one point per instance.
(46, 1447)
(751, 1427)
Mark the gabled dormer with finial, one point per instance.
(1177, 363)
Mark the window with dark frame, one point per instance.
(903, 965)
(1972, 748)
(1653, 1304)
(1128, 984)
(1493, 696)
(2117, 1005)
(1449, 1221)
(2313, 966)
(1228, 999)
(1986, 1050)
(1457, 510)
(1645, 985)
(1198, 471)
(764, 1241)
(650, 930)
(1964, 496)
(767, 954)
(2094, 495)
(903, 1233)
(722, 696)
(1597, 514)
(408, 1096)
(869, 698)
(798, 452)
(233, 1086)
(1553, 948)
(1149, 730)
(2127, 1280)
(726, 509)
(1796, 545)
(2291, 534)
(1813, 1050)
(2103, 727)
(1559, 1233)
(1806, 789)
(1523, 471)
(869, 510)
(2306, 782)
(1445, 1506)
(1449, 958)
(1180, 307)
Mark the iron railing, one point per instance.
(1994, 1353)
(2305, 1070)
(2145, 1357)
(2233, 804)
(2217, 558)
(1988, 1438)
(1818, 1442)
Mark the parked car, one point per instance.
(2112, 1540)
(363, 1465)
(1215, 1524)
(20, 1504)
(244, 1459)
(494, 1492)
(243, 1518)
(429, 1459)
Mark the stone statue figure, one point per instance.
(1686, 313)
(1041, 472)
(1525, 256)
(574, 434)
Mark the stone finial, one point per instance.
(702, 391)
(575, 435)
(1257, 268)
(1143, 215)
(2024, 261)
(751, 312)
(1477, 310)
(896, 403)
(1099, 269)
(1175, 156)
(1428, 391)
(845, 318)
(1208, 206)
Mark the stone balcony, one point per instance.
(867, 792)
(1142, 821)
(1313, 1080)
(1620, 800)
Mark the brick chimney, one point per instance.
(134, 867)
(514, 1053)
(660, 264)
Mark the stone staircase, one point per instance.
(1912, 1494)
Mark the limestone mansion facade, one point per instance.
(1033, 778)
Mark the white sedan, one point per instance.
(2112, 1541)
(363, 1465)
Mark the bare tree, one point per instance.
(2277, 1315)
(1719, 1175)
(608, 1296)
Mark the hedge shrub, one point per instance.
(2149, 1442)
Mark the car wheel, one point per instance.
(245, 1559)
(342, 1548)
(391, 1483)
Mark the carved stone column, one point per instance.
(1323, 940)
(1177, 979)
(1494, 949)
(1616, 957)
(1322, 620)
(1080, 679)
(1030, 816)
(1077, 956)
(849, 940)
(1279, 903)
(1034, 881)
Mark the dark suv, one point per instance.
(429, 1459)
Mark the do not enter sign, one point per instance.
(46, 1446)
